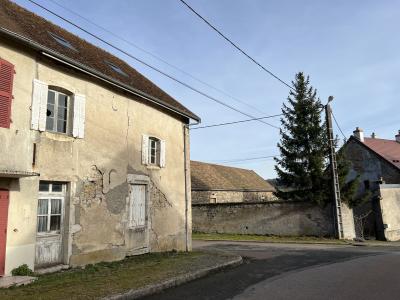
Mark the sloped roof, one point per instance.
(216, 177)
(29, 27)
(388, 149)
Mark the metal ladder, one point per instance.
(337, 194)
(334, 170)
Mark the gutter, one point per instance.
(92, 72)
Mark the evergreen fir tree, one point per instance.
(302, 167)
(303, 146)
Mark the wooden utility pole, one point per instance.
(334, 171)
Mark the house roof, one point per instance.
(37, 33)
(387, 149)
(216, 177)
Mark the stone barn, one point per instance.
(221, 184)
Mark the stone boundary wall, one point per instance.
(283, 218)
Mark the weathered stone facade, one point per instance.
(283, 218)
(95, 169)
(231, 196)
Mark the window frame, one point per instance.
(157, 149)
(49, 195)
(57, 92)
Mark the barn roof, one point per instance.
(37, 33)
(216, 177)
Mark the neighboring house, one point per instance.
(220, 184)
(377, 162)
(93, 156)
(374, 159)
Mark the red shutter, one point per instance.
(6, 84)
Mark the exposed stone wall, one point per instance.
(284, 218)
(390, 209)
(230, 196)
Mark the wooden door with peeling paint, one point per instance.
(138, 218)
(4, 202)
(50, 217)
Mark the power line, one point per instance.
(157, 57)
(235, 122)
(247, 159)
(236, 46)
(337, 124)
(148, 65)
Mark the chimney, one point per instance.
(359, 134)
(397, 136)
(374, 136)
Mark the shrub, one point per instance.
(22, 270)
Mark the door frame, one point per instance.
(135, 179)
(3, 267)
(45, 238)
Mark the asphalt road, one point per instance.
(292, 271)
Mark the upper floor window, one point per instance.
(58, 111)
(153, 151)
(6, 87)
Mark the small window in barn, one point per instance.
(58, 111)
(62, 41)
(116, 68)
(154, 151)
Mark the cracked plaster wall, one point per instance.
(95, 168)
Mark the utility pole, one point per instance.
(334, 171)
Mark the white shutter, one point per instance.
(82, 115)
(162, 153)
(78, 124)
(39, 105)
(138, 206)
(145, 149)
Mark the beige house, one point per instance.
(94, 158)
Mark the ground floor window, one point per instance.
(50, 207)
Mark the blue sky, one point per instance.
(350, 49)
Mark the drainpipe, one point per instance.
(188, 187)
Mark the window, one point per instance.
(62, 41)
(57, 111)
(6, 87)
(116, 68)
(50, 206)
(153, 151)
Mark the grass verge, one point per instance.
(266, 238)
(104, 279)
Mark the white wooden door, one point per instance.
(138, 218)
(50, 215)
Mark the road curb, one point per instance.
(278, 242)
(158, 287)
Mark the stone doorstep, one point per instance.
(9, 281)
(172, 282)
(52, 269)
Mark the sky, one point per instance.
(350, 49)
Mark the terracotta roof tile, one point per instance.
(23, 22)
(388, 149)
(216, 177)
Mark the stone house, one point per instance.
(377, 162)
(94, 161)
(221, 184)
